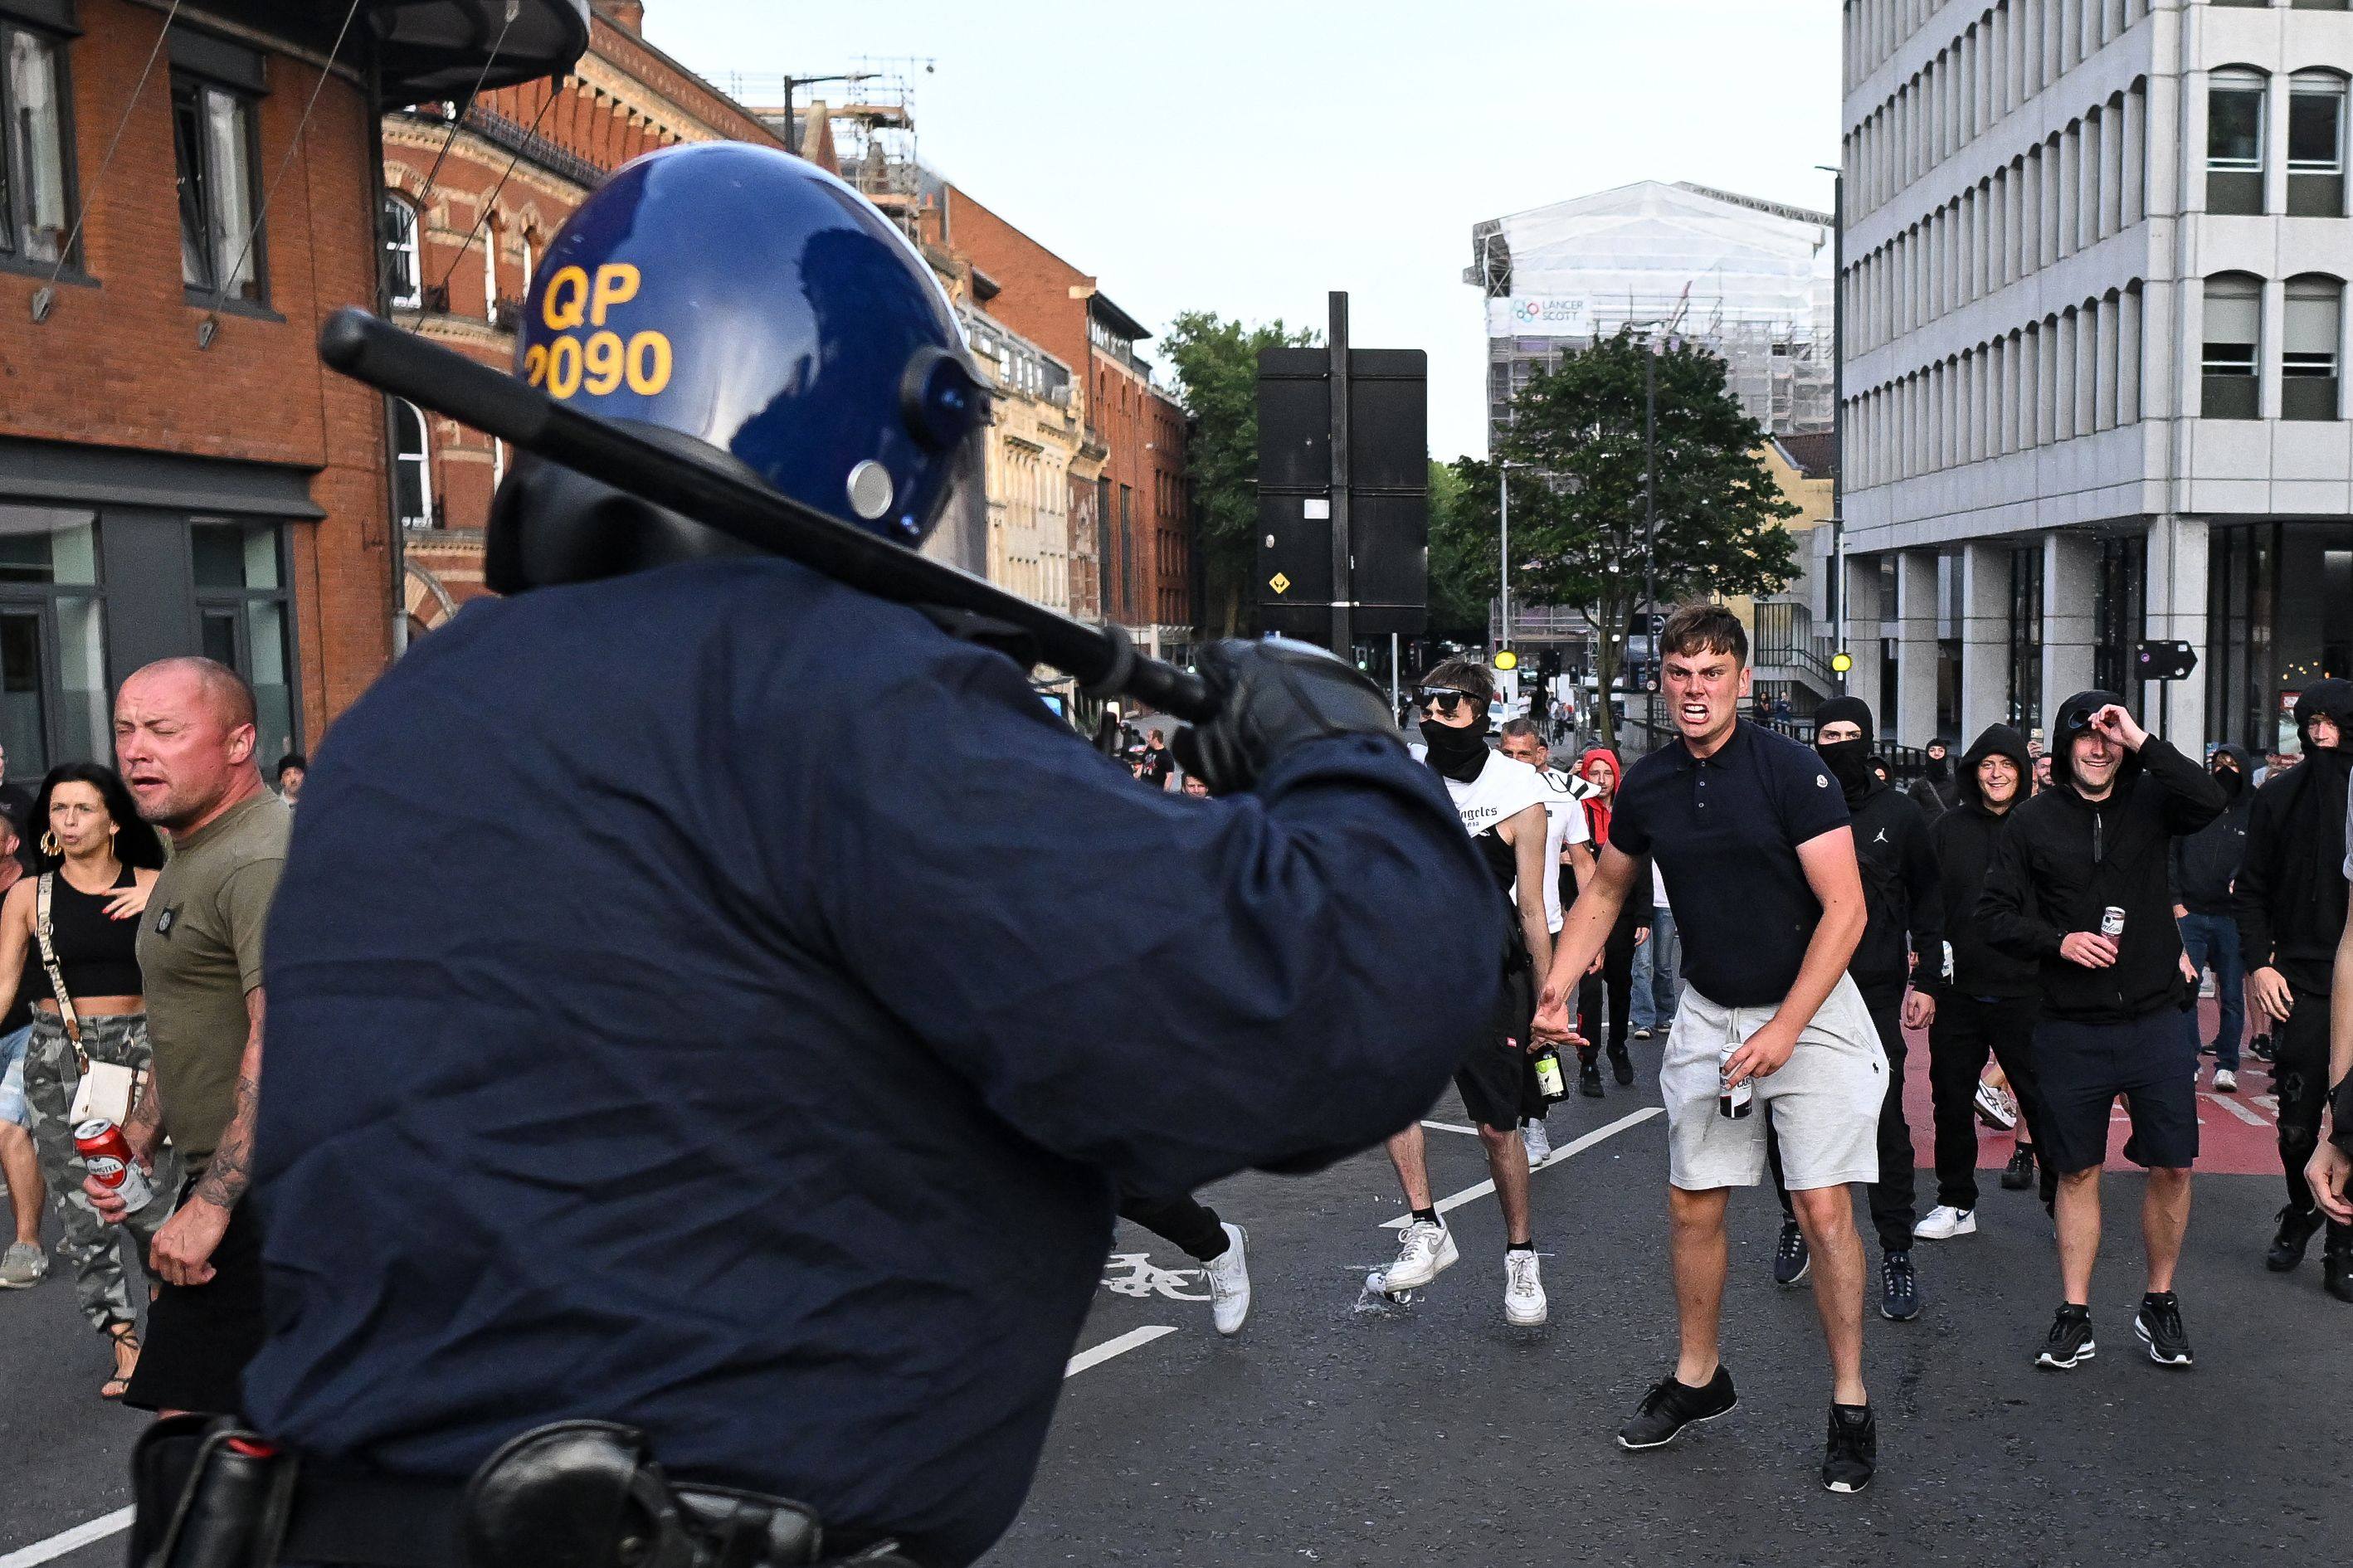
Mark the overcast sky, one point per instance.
(1245, 157)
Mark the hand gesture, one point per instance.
(1552, 1023)
(127, 903)
(2326, 1176)
(2119, 726)
(1919, 1010)
(181, 1251)
(2088, 949)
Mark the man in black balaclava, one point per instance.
(2291, 904)
(2204, 865)
(2079, 886)
(1899, 890)
(1936, 791)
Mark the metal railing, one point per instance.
(1785, 639)
(517, 137)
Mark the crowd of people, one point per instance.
(2042, 913)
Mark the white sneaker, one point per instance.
(1538, 1141)
(1642, 1034)
(1945, 1221)
(22, 1266)
(2225, 1082)
(1523, 1299)
(1997, 1108)
(1429, 1249)
(1230, 1287)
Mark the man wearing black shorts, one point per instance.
(1501, 804)
(1753, 839)
(2079, 885)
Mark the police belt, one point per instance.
(576, 1494)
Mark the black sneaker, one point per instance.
(2019, 1175)
(2295, 1230)
(2336, 1269)
(2158, 1324)
(2071, 1339)
(1853, 1452)
(1899, 1289)
(1622, 1066)
(2260, 1047)
(1589, 1079)
(1791, 1259)
(1671, 1406)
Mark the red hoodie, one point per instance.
(1597, 811)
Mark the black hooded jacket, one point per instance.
(1963, 840)
(2290, 902)
(2207, 861)
(1899, 875)
(2061, 859)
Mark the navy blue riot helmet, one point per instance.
(744, 298)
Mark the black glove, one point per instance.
(1273, 696)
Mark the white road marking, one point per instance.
(2230, 1104)
(1560, 1154)
(79, 1536)
(1451, 1127)
(1078, 1364)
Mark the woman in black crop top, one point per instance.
(99, 861)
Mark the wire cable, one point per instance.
(47, 291)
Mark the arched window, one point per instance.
(403, 273)
(2234, 140)
(2229, 363)
(2309, 335)
(412, 466)
(2316, 144)
(489, 269)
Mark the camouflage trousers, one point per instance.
(94, 1248)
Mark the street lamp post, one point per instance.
(1838, 412)
(1504, 577)
(792, 122)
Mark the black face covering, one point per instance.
(2231, 782)
(1850, 763)
(1457, 753)
(1936, 767)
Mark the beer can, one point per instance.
(1733, 1100)
(107, 1155)
(2112, 921)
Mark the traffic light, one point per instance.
(2167, 661)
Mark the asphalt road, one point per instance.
(1435, 1432)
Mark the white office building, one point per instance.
(2093, 294)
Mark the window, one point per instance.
(213, 132)
(2026, 637)
(244, 617)
(2316, 145)
(53, 689)
(2310, 335)
(489, 269)
(404, 275)
(34, 163)
(2234, 143)
(412, 466)
(2234, 314)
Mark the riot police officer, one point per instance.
(648, 1046)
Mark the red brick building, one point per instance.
(1136, 526)
(178, 473)
(469, 209)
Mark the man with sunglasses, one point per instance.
(2079, 885)
(1754, 841)
(1502, 804)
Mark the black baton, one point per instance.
(375, 351)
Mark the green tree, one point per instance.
(1463, 554)
(1215, 363)
(1576, 447)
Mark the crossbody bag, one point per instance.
(107, 1091)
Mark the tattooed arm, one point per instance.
(181, 1251)
(232, 1163)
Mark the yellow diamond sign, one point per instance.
(1278, 583)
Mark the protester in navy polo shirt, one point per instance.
(1753, 839)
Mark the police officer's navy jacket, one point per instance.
(717, 1001)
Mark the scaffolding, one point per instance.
(1749, 280)
(872, 118)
